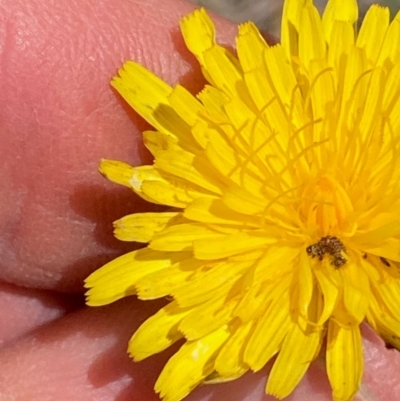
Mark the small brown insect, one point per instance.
(384, 261)
(329, 245)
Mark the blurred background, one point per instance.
(267, 13)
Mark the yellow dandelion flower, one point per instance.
(282, 178)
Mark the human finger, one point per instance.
(60, 116)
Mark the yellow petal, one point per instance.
(391, 105)
(238, 168)
(370, 121)
(229, 362)
(190, 366)
(148, 95)
(194, 169)
(242, 201)
(185, 104)
(322, 90)
(181, 237)
(207, 317)
(271, 328)
(339, 10)
(356, 291)
(285, 82)
(121, 173)
(254, 302)
(214, 100)
(356, 65)
(225, 246)
(223, 70)
(312, 43)
(163, 282)
(141, 227)
(131, 177)
(355, 295)
(298, 350)
(169, 122)
(199, 33)
(389, 296)
(373, 31)
(260, 87)
(214, 280)
(329, 287)
(383, 322)
(340, 42)
(143, 90)
(250, 46)
(157, 333)
(214, 211)
(171, 191)
(381, 241)
(117, 278)
(372, 266)
(344, 360)
(290, 25)
(390, 49)
(302, 286)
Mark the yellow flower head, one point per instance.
(282, 178)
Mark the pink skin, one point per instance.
(58, 118)
(24, 309)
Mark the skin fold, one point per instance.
(58, 118)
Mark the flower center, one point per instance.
(325, 206)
